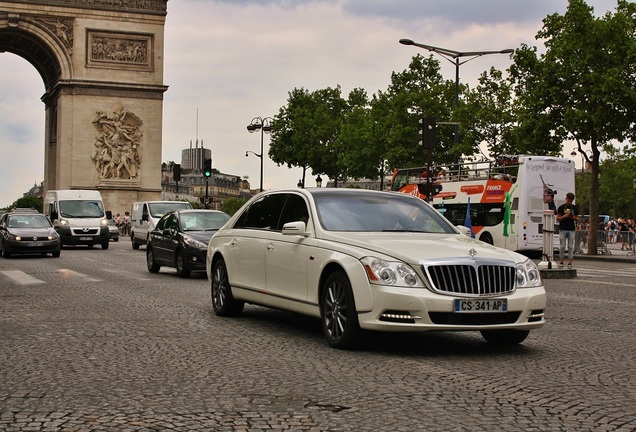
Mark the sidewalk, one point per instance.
(617, 255)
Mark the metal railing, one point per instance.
(604, 239)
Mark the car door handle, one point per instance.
(270, 246)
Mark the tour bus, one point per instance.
(506, 197)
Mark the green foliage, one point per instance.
(28, 202)
(232, 205)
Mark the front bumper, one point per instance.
(78, 236)
(25, 247)
(410, 309)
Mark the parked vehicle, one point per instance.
(180, 240)
(78, 216)
(144, 216)
(368, 260)
(28, 232)
(113, 230)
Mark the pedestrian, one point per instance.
(126, 224)
(567, 216)
(623, 232)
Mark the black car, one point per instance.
(180, 240)
(28, 232)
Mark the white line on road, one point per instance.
(21, 278)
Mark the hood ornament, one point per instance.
(473, 253)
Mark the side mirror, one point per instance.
(295, 228)
(464, 230)
(109, 214)
(54, 215)
(144, 217)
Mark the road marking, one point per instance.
(21, 278)
(66, 274)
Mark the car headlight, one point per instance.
(394, 273)
(528, 275)
(194, 243)
(64, 222)
(103, 222)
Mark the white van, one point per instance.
(145, 215)
(78, 216)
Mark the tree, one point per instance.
(582, 88)
(305, 132)
(232, 205)
(28, 202)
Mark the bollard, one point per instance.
(548, 240)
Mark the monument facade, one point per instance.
(101, 62)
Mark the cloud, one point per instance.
(230, 61)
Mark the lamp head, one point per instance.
(406, 42)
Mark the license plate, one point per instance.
(86, 238)
(35, 244)
(479, 306)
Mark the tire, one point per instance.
(182, 265)
(487, 238)
(338, 313)
(116, 239)
(56, 254)
(105, 245)
(135, 245)
(223, 302)
(153, 267)
(505, 337)
(5, 253)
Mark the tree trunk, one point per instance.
(594, 233)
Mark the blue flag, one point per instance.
(467, 222)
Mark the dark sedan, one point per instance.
(180, 240)
(24, 233)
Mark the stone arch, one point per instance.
(101, 62)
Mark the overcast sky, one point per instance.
(233, 60)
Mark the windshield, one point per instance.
(159, 209)
(203, 221)
(81, 209)
(378, 213)
(29, 221)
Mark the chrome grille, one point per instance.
(471, 279)
(91, 232)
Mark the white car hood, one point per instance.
(415, 247)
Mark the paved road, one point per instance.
(91, 341)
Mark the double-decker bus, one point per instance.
(506, 197)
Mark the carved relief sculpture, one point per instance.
(118, 151)
(62, 28)
(119, 50)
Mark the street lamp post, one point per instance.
(265, 126)
(454, 57)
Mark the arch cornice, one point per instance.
(154, 7)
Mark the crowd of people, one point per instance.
(123, 223)
(616, 231)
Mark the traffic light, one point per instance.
(176, 172)
(207, 168)
(428, 132)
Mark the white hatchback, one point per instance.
(367, 260)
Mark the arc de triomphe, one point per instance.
(102, 66)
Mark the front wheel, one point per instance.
(135, 245)
(183, 268)
(105, 245)
(223, 302)
(505, 337)
(153, 267)
(338, 313)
